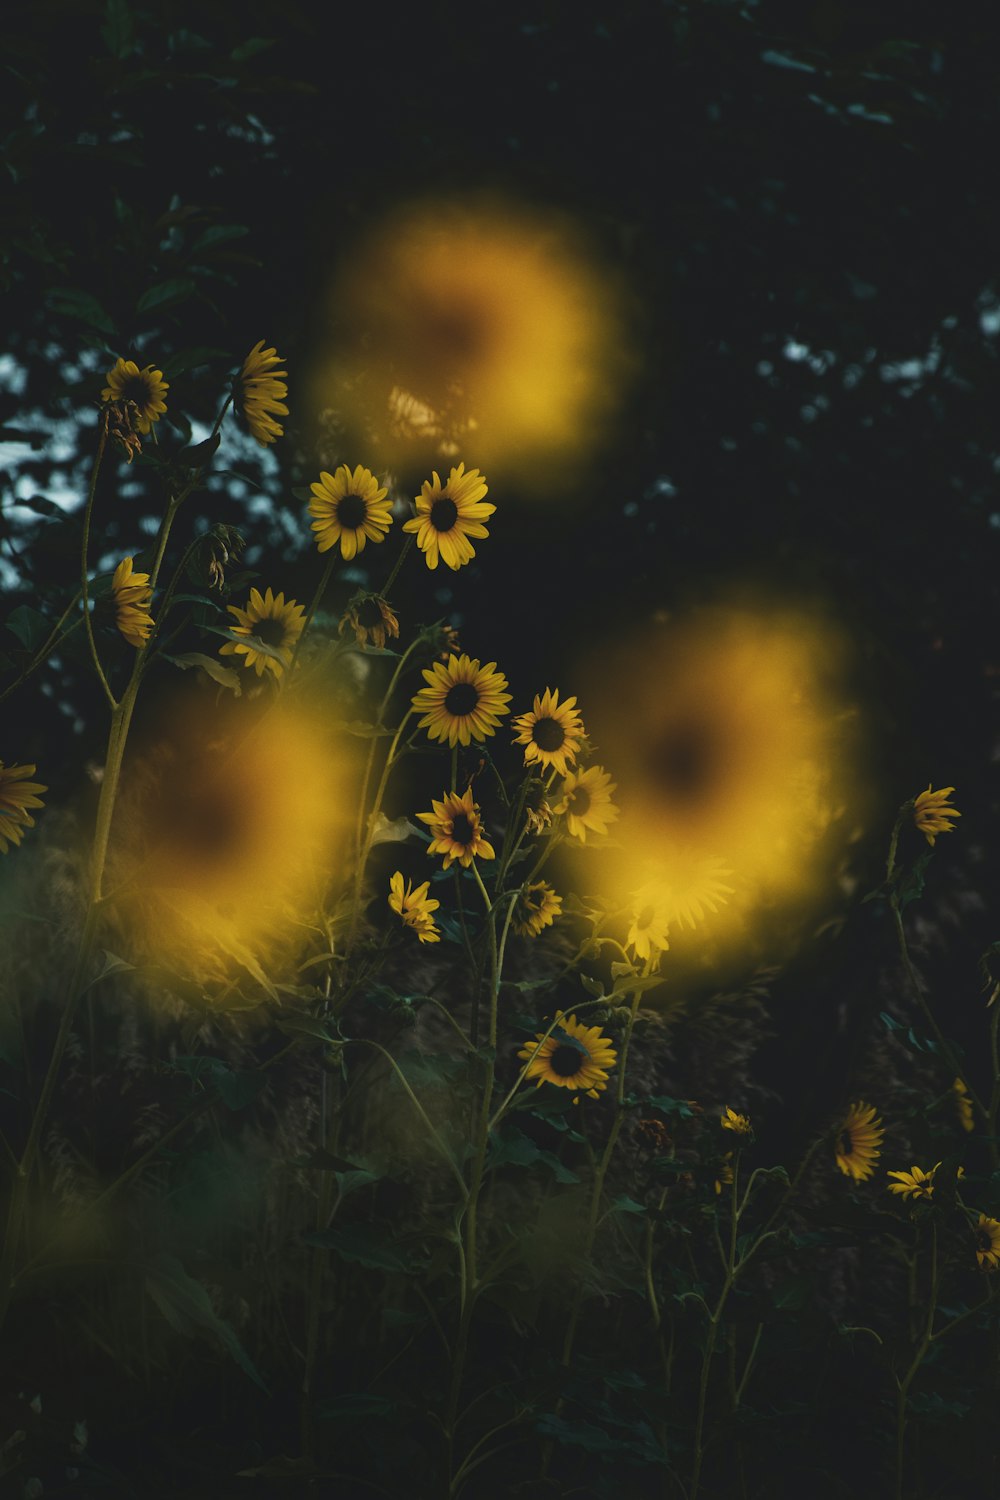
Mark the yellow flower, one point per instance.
(725, 1177)
(932, 813)
(16, 795)
(963, 1105)
(414, 907)
(859, 1136)
(573, 1057)
(462, 700)
(447, 515)
(586, 801)
(263, 391)
(552, 732)
(913, 1184)
(132, 597)
(650, 929)
(268, 621)
(126, 382)
(738, 1123)
(349, 508)
(457, 829)
(987, 1234)
(537, 907)
(371, 619)
(537, 812)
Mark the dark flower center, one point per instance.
(369, 613)
(645, 917)
(579, 801)
(136, 388)
(845, 1144)
(683, 761)
(984, 1239)
(548, 734)
(461, 698)
(566, 1060)
(444, 514)
(463, 830)
(351, 512)
(270, 631)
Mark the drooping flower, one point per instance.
(17, 794)
(739, 1124)
(371, 619)
(537, 812)
(987, 1233)
(414, 907)
(458, 830)
(447, 515)
(963, 1105)
(350, 508)
(262, 392)
(913, 1184)
(537, 906)
(650, 929)
(270, 621)
(462, 700)
(551, 732)
(132, 597)
(858, 1139)
(573, 1057)
(586, 802)
(146, 388)
(932, 813)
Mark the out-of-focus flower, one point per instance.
(573, 1057)
(655, 1135)
(963, 1105)
(132, 598)
(371, 619)
(933, 814)
(447, 515)
(537, 906)
(725, 1177)
(586, 802)
(915, 1183)
(17, 794)
(858, 1139)
(551, 732)
(349, 508)
(650, 930)
(145, 388)
(414, 907)
(462, 701)
(739, 1124)
(262, 391)
(267, 620)
(987, 1234)
(457, 829)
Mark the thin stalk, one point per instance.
(903, 1386)
(404, 552)
(715, 1318)
(317, 599)
(52, 640)
(85, 568)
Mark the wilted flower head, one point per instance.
(371, 619)
(933, 814)
(143, 389)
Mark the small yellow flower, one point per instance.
(457, 829)
(963, 1105)
(914, 1183)
(537, 906)
(931, 813)
(17, 794)
(859, 1137)
(462, 701)
(987, 1233)
(371, 619)
(146, 388)
(267, 619)
(349, 508)
(725, 1177)
(551, 732)
(447, 515)
(586, 801)
(650, 929)
(263, 391)
(414, 907)
(738, 1123)
(132, 597)
(572, 1057)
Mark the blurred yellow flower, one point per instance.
(263, 391)
(551, 732)
(17, 794)
(933, 814)
(414, 907)
(859, 1136)
(650, 929)
(913, 1184)
(447, 515)
(462, 701)
(573, 1056)
(457, 829)
(269, 621)
(725, 1177)
(349, 508)
(963, 1105)
(147, 387)
(132, 597)
(537, 906)
(586, 802)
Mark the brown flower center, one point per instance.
(270, 631)
(444, 514)
(463, 830)
(136, 388)
(369, 613)
(684, 761)
(548, 734)
(566, 1060)
(845, 1143)
(351, 512)
(461, 698)
(645, 917)
(579, 801)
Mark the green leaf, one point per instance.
(30, 627)
(365, 1245)
(71, 302)
(396, 832)
(110, 964)
(668, 1106)
(218, 234)
(178, 289)
(627, 1205)
(513, 1148)
(43, 507)
(353, 1407)
(193, 359)
(251, 47)
(298, 1025)
(594, 987)
(236, 1090)
(188, 1309)
(225, 676)
(364, 731)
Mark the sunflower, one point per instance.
(913, 1184)
(987, 1233)
(586, 801)
(963, 1105)
(537, 906)
(146, 388)
(537, 812)
(859, 1137)
(268, 621)
(414, 907)
(457, 829)
(132, 597)
(932, 813)
(263, 391)
(551, 732)
(462, 700)
(572, 1057)
(739, 1124)
(16, 796)
(349, 508)
(447, 515)
(371, 619)
(650, 929)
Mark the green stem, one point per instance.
(384, 591)
(903, 1386)
(51, 641)
(85, 568)
(317, 598)
(366, 843)
(715, 1318)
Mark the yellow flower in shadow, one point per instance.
(859, 1136)
(448, 514)
(573, 1056)
(987, 1234)
(270, 622)
(146, 388)
(262, 390)
(457, 829)
(537, 906)
(414, 907)
(132, 597)
(933, 813)
(17, 794)
(915, 1183)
